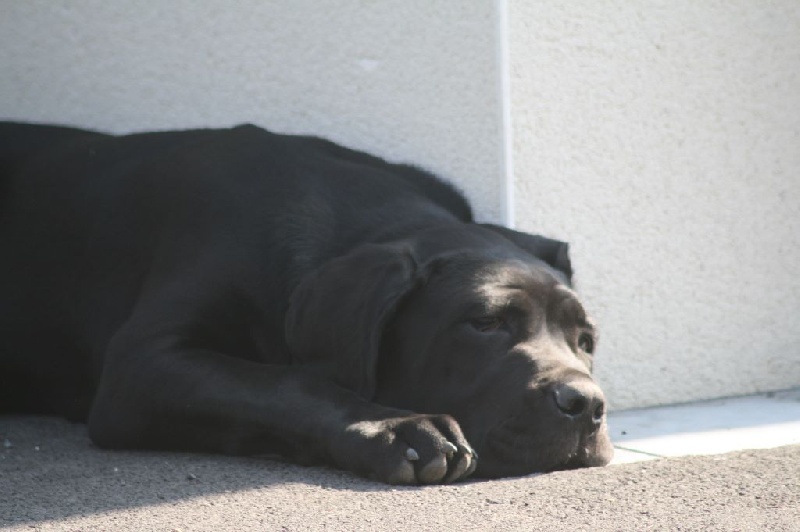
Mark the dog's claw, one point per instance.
(466, 449)
(412, 455)
(473, 452)
(450, 448)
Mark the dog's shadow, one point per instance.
(50, 470)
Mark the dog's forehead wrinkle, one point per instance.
(509, 279)
(499, 298)
(566, 291)
(564, 302)
(512, 285)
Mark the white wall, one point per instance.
(412, 80)
(663, 139)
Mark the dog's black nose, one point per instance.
(580, 400)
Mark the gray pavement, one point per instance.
(52, 478)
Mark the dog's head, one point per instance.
(478, 322)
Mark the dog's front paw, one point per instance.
(415, 449)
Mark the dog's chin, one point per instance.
(507, 454)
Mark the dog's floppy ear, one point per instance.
(554, 252)
(337, 313)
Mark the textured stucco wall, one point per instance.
(413, 80)
(663, 139)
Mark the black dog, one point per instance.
(239, 291)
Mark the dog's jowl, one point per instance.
(239, 291)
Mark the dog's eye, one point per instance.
(586, 343)
(487, 324)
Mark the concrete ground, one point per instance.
(52, 478)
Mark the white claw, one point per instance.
(412, 455)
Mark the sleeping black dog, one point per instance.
(243, 292)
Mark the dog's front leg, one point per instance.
(161, 395)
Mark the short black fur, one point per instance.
(231, 291)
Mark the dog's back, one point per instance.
(90, 219)
(19, 142)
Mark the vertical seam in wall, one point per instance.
(504, 89)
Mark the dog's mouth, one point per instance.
(510, 450)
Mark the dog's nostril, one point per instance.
(580, 400)
(570, 401)
(599, 411)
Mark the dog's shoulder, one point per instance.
(438, 189)
(424, 182)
